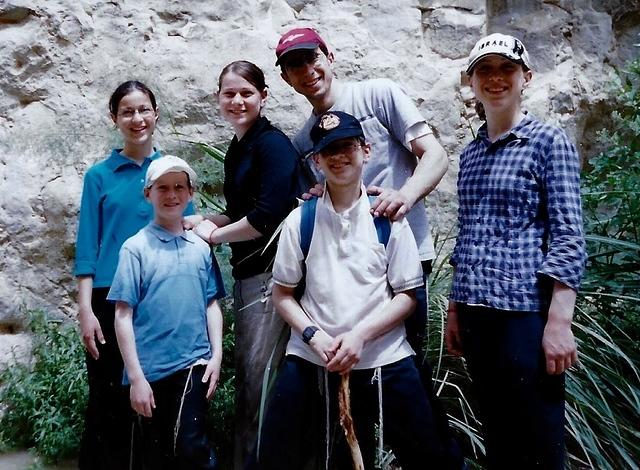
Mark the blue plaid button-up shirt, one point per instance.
(519, 218)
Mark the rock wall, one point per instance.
(62, 58)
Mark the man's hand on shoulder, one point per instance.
(316, 191)
(390, 203)
(205, 229)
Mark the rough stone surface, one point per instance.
(61, 59)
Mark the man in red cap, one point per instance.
(407, 164)
(398, 134)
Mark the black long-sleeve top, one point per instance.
(260, 182)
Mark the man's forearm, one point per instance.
(432, 165)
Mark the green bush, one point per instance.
(611, 196)
(44, 400)
(222, 406)
(604, 410)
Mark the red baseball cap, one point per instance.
(299, 38)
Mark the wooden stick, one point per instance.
(346, 421)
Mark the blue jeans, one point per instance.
(522, 407)
(295, 426)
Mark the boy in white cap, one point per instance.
(518, 260)
(169, 325)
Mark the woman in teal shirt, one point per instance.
(113, 208)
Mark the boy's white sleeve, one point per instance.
(404, 271)
(287, 267)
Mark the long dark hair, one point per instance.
(124, 89)
(247, 70)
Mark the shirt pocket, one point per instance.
(373, 129)
(369, 262)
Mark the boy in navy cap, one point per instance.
(349, 320)
(407, 160)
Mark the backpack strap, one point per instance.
(383, 226)
(307, 222)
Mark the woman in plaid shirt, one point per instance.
(518, 261)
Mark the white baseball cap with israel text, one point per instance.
(501, 44)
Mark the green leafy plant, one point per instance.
(603, 393)
(611, 196)
(450, 376)
(44, 400)
(221, 408)
(605, 411)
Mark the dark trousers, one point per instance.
(107, 426)
(522, 407)
(157, 445)
(295, 425)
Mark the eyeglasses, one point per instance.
(301, 58)
(340, 148)
(129, 113)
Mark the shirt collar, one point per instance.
(326, 199)
(165, 236)
(255, 129)
(522, 130)
(116, 160)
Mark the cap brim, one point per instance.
(337, 135)
(482, 56)
(191, 175)
(296, 47)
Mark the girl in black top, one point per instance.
(260, 170)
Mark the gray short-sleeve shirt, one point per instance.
(386, 113)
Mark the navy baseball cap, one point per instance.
(332, 126)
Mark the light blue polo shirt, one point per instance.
(168, 280)
(112, 209)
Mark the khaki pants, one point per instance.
(260, 340)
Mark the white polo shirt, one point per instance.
(349, 275)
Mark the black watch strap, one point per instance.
(308, 333)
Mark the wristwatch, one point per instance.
(308, 333)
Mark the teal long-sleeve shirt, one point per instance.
(112, 209)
